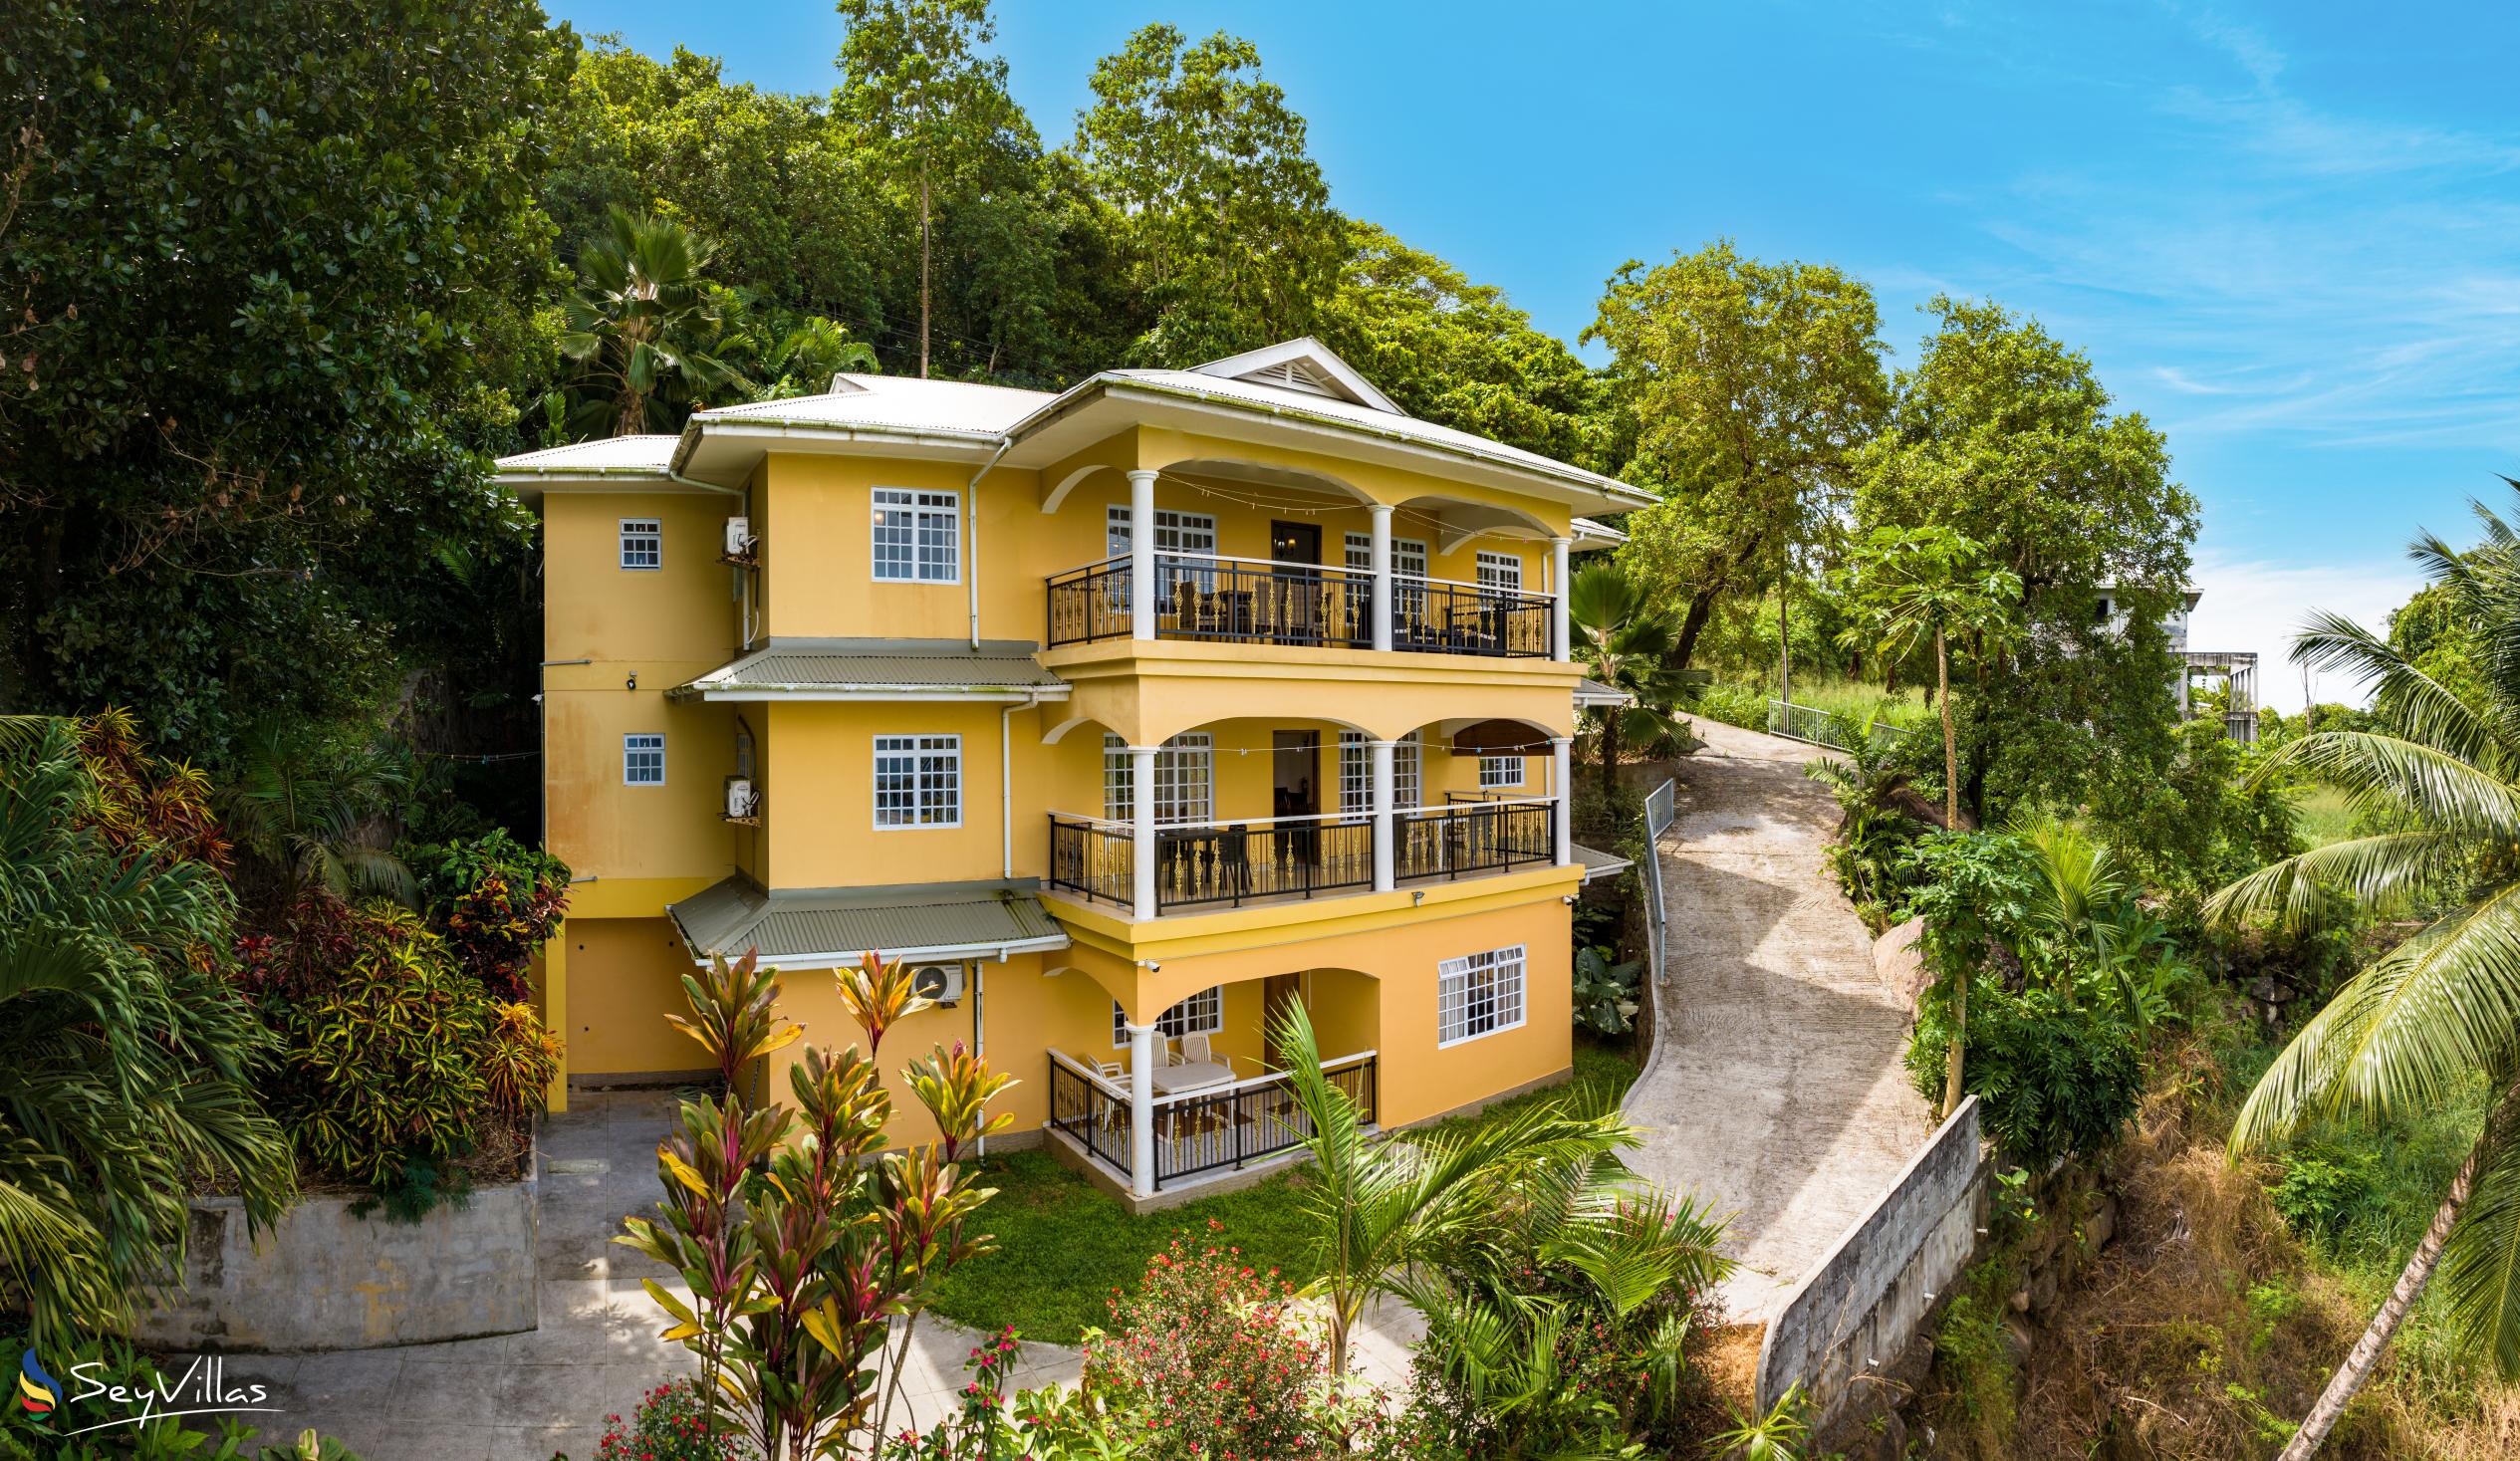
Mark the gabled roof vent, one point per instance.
(1303, 363)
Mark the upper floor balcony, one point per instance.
(1247, 601)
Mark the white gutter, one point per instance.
(971, 501)
(938, 953)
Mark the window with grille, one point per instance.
(643, 543)
(1501, 571)
(1355, 774)
(1201, 1014)
(1409, 556)
(917, 536)
(1478, 994)
(1185, 779)
(644, 761)
(1500, 771)
(918, 781)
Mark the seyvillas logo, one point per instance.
(37, 1391)
(102, 1403)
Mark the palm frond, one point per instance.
(2479, 1273)
(2386, 872)
(2385, 773)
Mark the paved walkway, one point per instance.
(1776, 1091)
(529, 1396)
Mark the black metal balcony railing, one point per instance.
(1208, 863)
(1202, 1130)
(1471, 836)
(1258, 601)
(1442, 616)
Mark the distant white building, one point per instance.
(2234, 669)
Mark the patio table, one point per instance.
(1196, 1076)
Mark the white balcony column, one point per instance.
(1379, 761)
(1559, 585)
(1562, 786)
(1142, 555)
(1141, 1109)
(1381, 564)
(1142, 830)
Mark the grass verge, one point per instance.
(1063, 1247)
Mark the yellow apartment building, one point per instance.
(1129, 714)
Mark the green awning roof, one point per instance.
(829, 927)
(879, 670)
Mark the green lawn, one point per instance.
(1063, 1247)
(2323, 816)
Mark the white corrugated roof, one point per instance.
(897, 402)
(611, 453)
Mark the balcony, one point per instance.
(1193, 1131)
(1250, 600)
(1212, 864)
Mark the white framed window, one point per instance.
(642, 544)
(643, 760)
(1408, 555)
(917, 536)
(1185, 779)
(1355, 774)
(1500, 771)
(1201, 1014)
(1478, 994)
(1501, 571)
(1177, 534)
(918, 781)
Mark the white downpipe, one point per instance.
(1006, 784)
(1142, 555)
(1561, 758)
(1381, 564)
(1141, 1109)
(1380, 753)
(1560, 587)
(971, 503)
(1141, 836)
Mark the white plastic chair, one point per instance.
(1195, 1050)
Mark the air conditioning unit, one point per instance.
(941, 983)
(739, 537)
(740, 801)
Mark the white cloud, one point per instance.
(2255, 604)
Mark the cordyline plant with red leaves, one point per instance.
(798, 1250)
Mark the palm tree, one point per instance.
(1420, 1217)
(1627, 647)
(320, 822)
(123, 1051)
(640, 321)
(2441, 1009)
(2080, 893)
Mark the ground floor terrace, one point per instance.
(1150, 1055)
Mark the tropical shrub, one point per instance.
(798, 1244)
(2053, 1077)
(495, 901)
(1605, 992)
(392, 1055)
(126, 1056)
(1220, 1354)
(671, 1425)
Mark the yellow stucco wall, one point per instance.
(625, 976)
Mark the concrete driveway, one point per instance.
(1776, 1090)
(530, 1397)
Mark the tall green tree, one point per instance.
(124, 1047)
(271, 270)
(1744, 388)
(2004, 435)
(917, 83)
(1224, 221)
(1910, 586)
(2441, 771)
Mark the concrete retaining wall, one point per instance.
(323, 1279)
(1861, 1307)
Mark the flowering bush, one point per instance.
(495, 901)
(1224, 1365)
(673, 1425)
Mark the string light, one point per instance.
(1427, 521)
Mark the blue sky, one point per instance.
(2288, 234)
